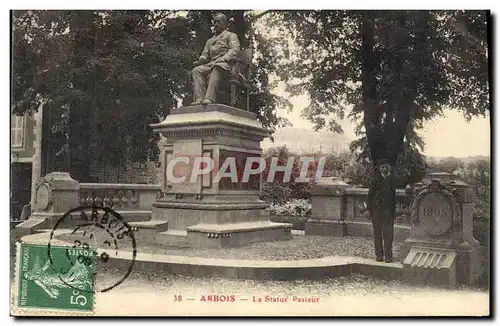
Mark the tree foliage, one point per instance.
(389, 70)
(437, 54)
(411, 165)
(419, 62)
(448, 164)
(106, 75)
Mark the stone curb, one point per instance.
(286, 270)
(312, 269)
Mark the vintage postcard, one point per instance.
(250, 163)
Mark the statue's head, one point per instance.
(220, 23)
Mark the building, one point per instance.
(32, 157)
(26, 169)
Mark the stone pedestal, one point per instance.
(214, 212)
(55, 194)
(327, 217)
(441, 239)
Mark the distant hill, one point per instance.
(301, 141)
(466, 160)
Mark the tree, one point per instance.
(410, 167)
(480, 167)
(105, 76)
(395, 69)
(449, 165)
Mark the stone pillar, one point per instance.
(214, 213)
(442, 247)
(55, 195)
(328, 209)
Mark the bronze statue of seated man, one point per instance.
(217, 59)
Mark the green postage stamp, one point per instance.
(55, 277)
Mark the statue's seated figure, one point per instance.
(221, 57)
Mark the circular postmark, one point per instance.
(96, 237)
(435, 213)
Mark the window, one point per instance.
(17, 131)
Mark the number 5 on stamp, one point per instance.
(54, 282)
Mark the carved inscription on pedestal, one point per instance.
(189, 150)
(435, 213)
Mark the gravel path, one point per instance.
(300, 247)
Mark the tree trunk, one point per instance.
(240, 28)
(79, 114)
(381, 196)
(79, 160)
(389, 126)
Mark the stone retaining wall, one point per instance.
(341, 210)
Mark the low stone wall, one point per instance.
(58, 193)
(341, 210)
(133, 201)
(356, 205)
(122, 196)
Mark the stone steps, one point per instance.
(172, 238)
(239, 227)
(146, 231)
(176, 233)
(156, 225)
(29, 226)
(210, 235)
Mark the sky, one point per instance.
(450, 135)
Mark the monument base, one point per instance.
(460, 262)
(211, 224)
(183, 213)
(469, 264)
(431, 265)
(336, 228)
(441, 240)
(237, 234)
(207, 211)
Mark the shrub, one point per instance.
(275, 193)
(482, 232)
(477, 175)
(280, 191)
(294, 207)
(295, 211)
(479, 181)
